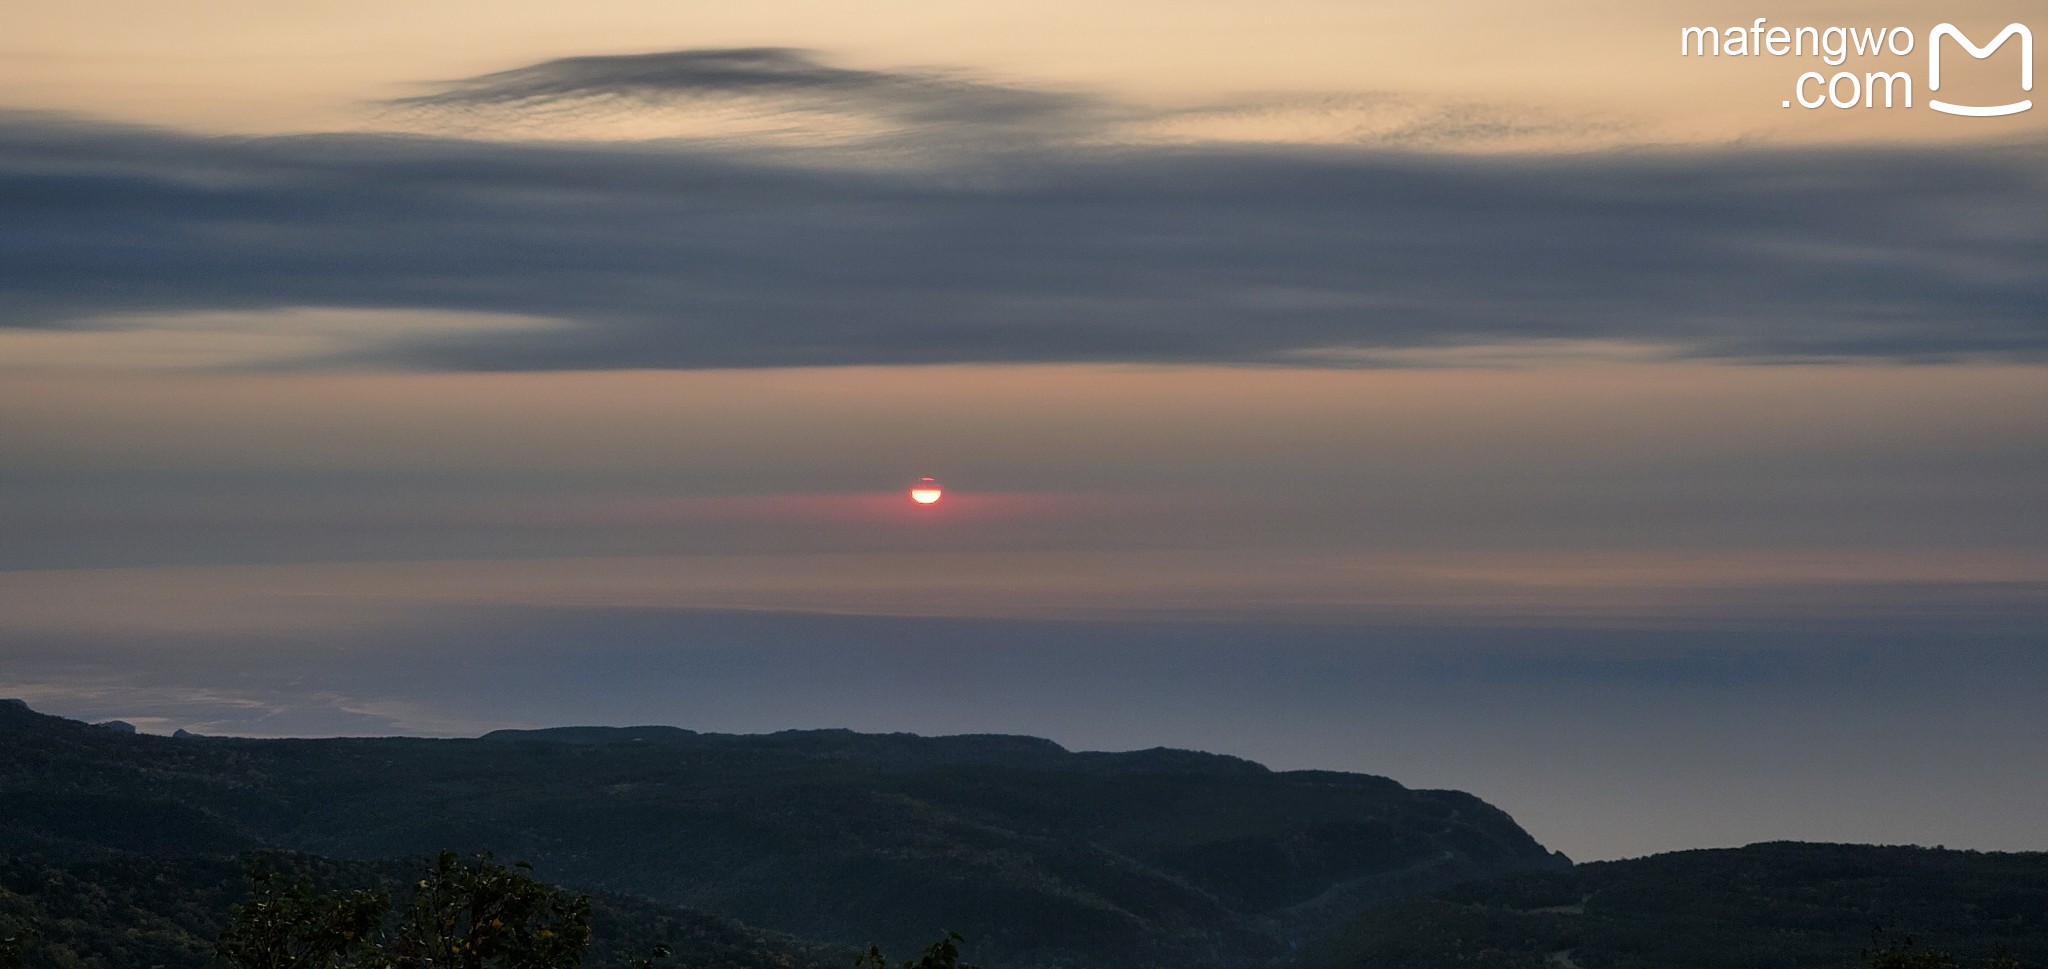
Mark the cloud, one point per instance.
(792, 99)
(745, 71)
(691, 254)
(1377, 120)
(760, 93)
(232, 339)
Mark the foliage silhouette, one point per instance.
(943, 954)
(130, 911)
(290, 926)
(483, 915)
(1901, 953)
(15, 938)
(462, 914)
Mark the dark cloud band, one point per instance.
(673, 255)
(793, 77)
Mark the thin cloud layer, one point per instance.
(756, 95)
(759, 71)
(699, 254)
(792, 99)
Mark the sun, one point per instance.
(926, 491)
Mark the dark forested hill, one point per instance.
(1041, 856)
(1768, 906)
(131, 911)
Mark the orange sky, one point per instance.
(1605, 72)
(1481, 392)
(1648, 491)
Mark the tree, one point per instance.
(15, 939)
(293, 927)
(463, 914)
(1903, 954)
(943, 954)
(483, 915)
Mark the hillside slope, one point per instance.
(142, 911)
(1780, 905)
(1041, 856)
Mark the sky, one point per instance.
(1484, 395)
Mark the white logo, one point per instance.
(1970, 110)
(1872, 46)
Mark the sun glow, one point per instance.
(925, 491)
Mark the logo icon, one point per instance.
(1971, 110)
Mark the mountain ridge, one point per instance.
(1045, 857)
